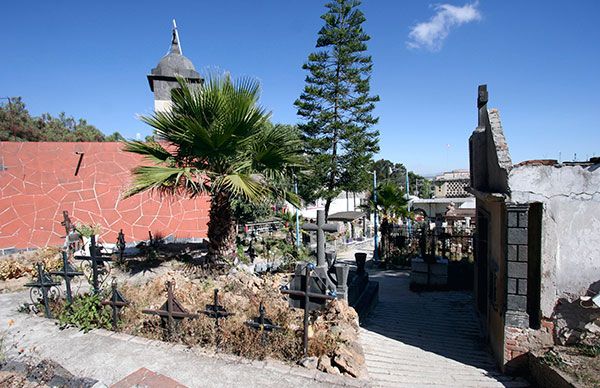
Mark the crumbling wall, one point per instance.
(490, 160)
(570, 254)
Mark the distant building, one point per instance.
(452, 184)
(163, 78)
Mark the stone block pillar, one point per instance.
(516, 266)
(516, 316)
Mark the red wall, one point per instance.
(38, 182)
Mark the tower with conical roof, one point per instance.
(163, 78)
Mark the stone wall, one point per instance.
(570, 247)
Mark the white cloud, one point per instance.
(430, 35)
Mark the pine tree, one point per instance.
(336, 106)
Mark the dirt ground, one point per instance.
(578, 363)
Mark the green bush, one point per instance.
(87, 313)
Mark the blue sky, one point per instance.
(540, 59)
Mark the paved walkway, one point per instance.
(426, 339)
(110, 357)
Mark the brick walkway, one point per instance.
(426, 339)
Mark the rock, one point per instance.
(309, 362)
(576, 324)
(325, 366)
(344, 331)
(349, 361)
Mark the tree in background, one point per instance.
(336, 107)
(395, 173)
(218, 142)
(16, 124)
(391, 204)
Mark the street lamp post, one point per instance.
(297, 215)
(375, 250)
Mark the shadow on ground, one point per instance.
(442, 323)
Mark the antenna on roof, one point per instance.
(176, 41)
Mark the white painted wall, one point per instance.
(570, 226)
(162, 105)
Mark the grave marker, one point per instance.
(44, 285)
(68, 273)
(96, 259)
(321, 227)
(216, 311)
(171, 311)
(307, 295)
(117, 301)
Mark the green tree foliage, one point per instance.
(395, 173)
(336, 106)
(16, 124)
(218, 143)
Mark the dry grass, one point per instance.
(241, 294)
(24, 264)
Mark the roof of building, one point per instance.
(346, 216)
(174, 64)
(453, 175)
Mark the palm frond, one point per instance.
(168, 181)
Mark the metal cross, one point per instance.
(97, 259)
(43, 285)
(262, 324)
(68, 273)
(117, 301)
(216, 311)
(170, 311)
(121, 244)
(66, 222)
(306, 296)
(321, 227)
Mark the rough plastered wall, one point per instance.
(570, 254)
(40, 180)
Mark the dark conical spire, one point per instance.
(175, 45)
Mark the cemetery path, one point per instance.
(426, 339)
(110, 357)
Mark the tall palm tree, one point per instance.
(217, 141)
(391, 203)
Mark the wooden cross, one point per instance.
(320, 227)
(68, 273)
(307, 295)
(170, 311)
(43, 284)
(117, 301)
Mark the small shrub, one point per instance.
(552, 358)
(12, 269)
(86, 313)
(589, 350)
(86, 230)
